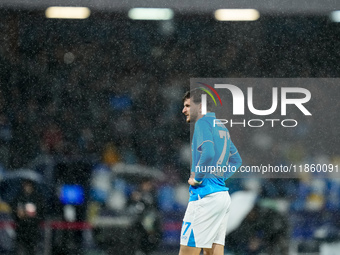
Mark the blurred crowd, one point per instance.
(100, 86)
(111, 88)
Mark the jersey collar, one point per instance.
(210, 114)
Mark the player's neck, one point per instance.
(200, 116)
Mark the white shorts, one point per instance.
(205, 221)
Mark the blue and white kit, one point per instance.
(205, 220)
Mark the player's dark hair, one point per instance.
(196, 95)
(186, 96)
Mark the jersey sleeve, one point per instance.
(205, 146)
(203, 134)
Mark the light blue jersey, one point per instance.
(214, 157)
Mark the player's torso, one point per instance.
(221, 141)
(214, 181)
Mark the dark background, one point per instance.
(108, 89)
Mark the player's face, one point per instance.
(186, 109)
(190, 110)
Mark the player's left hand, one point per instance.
(192, 182)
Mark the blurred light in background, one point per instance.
(69, 58)
(151, 14)
(335, 16)
(237, 14)
(60, 12)
(72, 194)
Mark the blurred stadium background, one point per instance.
(90, 110)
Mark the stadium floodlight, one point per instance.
(67, 12)
(335, 16)
(151, 14)
(237, 14)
